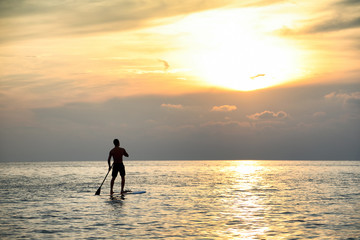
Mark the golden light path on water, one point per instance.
(246, 207)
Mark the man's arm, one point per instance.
(109, 159)
(125, 153)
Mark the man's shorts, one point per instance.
(118, 167)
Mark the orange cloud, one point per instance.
(224, 108)
(268, 115)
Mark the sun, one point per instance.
(238, 68)
(228, 51)
(246, 64)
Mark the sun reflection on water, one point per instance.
(245, 167)
(246, 212)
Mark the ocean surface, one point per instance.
(183, 200)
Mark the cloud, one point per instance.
(166, 64)
(256, 76)
(54, 18)
(172, 106)
(334, 24)
(257, 3)
(28, 19)
(329, 17)
(343, 96)
(151, 127)
(349, 99)
(321, 26)
(268, 115)
(349, 3)
(224, 108)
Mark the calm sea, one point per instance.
(184, 200)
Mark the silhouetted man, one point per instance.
(117, 153)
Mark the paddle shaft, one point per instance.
(98, 191)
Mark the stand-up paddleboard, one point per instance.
(135, 192)
(118, 195)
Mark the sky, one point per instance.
(180, 80)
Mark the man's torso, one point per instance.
(117, 153)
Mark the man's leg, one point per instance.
(122, 174)
(114, 175)
(112, 186)
(122, 183)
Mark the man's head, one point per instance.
(116, 142)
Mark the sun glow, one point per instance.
(246, 64)
(238, 57)
(231, 49)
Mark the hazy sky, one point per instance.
(183, 79)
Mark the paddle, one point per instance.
(99, 190)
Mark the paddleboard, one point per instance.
(135, 192)
(126, 193)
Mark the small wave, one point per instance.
(234, 222)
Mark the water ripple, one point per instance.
(184, 200)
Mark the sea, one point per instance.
(183, 200)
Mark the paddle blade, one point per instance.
(98, 191)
